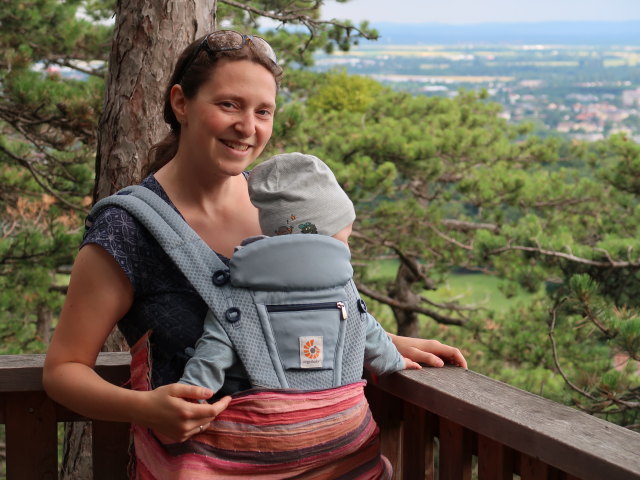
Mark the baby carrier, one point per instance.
(308, 418)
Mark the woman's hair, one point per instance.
(197, 73)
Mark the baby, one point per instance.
(297, 283)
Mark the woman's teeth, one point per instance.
(236, 146)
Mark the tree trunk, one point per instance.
(76, 451)
(401, 291)
(43, 323)
(148, 37)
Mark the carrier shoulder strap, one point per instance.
(207, 273)
(190, 253)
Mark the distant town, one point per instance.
(582, 92)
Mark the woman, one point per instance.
(219, 104)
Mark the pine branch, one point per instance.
(562, 202)
(412, 308)
(610, 263)
(556, 361)
(450, 239)
(463, 226)
(68, 63)
(300, 16)
(451, 306)
(39, 181)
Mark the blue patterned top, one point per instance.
(164, 300)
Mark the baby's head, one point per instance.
(296, 193)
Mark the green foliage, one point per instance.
(47, 150)
(300, 32)
(43, 30)
(343, 93)
(448, 183)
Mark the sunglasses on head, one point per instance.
(225, 40)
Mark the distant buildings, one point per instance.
(631, 98)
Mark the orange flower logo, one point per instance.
(311, 350)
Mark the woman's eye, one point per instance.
(227, 104)
(264, 113)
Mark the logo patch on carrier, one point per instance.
(311, 352)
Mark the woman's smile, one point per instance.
(239, 146)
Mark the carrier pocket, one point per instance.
(307, 335)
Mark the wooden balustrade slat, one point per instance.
(495, 461)
(417, 443)
(32, 440)
(387, 411)
(530, 468)
(454, 459)
(110, 450)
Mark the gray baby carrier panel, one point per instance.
(302, 330)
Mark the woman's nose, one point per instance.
(246, 125)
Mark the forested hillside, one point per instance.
(440, 184)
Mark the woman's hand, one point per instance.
(175, 414)
(431, 352)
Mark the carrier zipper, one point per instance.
(309, 306)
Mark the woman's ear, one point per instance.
(179, 104)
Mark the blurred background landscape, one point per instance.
(575, 79)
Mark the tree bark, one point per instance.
(43, 323)
(401, 291)
(76, 451)
(149, 35)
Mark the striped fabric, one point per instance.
(269, 434)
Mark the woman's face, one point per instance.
(230, 120)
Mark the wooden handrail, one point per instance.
(433, 423)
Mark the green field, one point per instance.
(472, 289)
(477, 289)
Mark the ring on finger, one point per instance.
(201, 427)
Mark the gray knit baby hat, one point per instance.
(297, 193)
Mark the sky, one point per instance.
(460, 12)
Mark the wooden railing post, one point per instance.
(417, 443)
(454, 458)
(32, 453)
(387, 411)
(495, 461)
(533, 469)
(110, 450)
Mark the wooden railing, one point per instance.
(31, 419)
(441, 424)
(491, 429)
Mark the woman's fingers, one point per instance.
(411, 365)
(430, 352)
(220, 405)
(212, 412)
(200, 429)
(451, 354)
(456, 358)
(190, 392)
